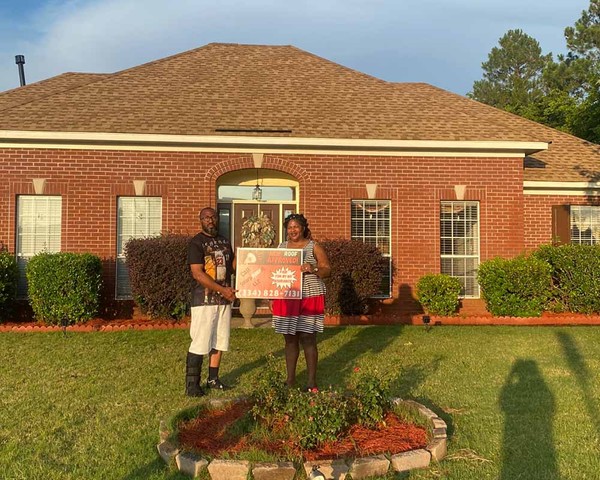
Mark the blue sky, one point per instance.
(441, 42)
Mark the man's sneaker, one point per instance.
(216, 384)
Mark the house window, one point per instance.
(137, 217)
(38, 230)
(370, 223)
(459, 236)
(585, 224)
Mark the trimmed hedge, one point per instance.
(519, 287)
(438, 294)
(9, 274)
(357, 271)
(159, 275)
(575, 276)
(64, 287)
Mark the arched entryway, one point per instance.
(247, 192)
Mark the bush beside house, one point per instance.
(9, 273)
(159, 275)
(575, 277)
(518, 287)
(438, 294)
(64, 288)
(356, 275)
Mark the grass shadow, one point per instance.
(581, 372)
(528, 440)
(339, 362)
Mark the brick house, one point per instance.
(439, 182)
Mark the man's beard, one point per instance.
(212, 231)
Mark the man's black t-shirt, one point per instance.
(216, 254)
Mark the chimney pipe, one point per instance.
(20, 61)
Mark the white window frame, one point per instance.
(374, 238)
(585, 218)
(145, 215)
(37, 230)
(473, 239)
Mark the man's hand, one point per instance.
(228, 293)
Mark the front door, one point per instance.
(276, 212)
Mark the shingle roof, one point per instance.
(229, 89)
(45, 88)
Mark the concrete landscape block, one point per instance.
(163, 432)
(426, 412)
(167, 451)
(438, 423)
(190, 464)
(369, 467)
(404, 461)
(335, 469)
(438, 448)
(274, 471)
(229, 469)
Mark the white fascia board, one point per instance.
(577, 189)
(41, 139)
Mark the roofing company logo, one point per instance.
(283, 277)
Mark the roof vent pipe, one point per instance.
(20, 61)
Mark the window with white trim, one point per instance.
(137, 217)
(585, 224)
(459, 244)
(370, 222)
(39, 221)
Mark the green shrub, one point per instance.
(357, 271)
(9, 274)
(438, 293)
(64, 287)
(369, 398)
(312, 418)
(270, 391)
(316, 417)
(519, 287)
(575, 276)
(159, 275)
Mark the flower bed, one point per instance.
(283, 425)
(206, 434)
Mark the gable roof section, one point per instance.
(279, 91)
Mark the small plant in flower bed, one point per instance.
(319, 416)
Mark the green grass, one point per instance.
(520, 402)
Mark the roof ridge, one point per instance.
(343, 67)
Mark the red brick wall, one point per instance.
(538, 216)
(90, 181)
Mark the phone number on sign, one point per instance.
(270, 293)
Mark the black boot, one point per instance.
(192, 375)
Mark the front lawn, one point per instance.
(520, 402)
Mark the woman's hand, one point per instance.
(307, 268)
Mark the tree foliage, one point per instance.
(513, 73)
(563, 94)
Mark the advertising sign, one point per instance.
(268, 273)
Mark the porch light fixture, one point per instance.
(257, 192)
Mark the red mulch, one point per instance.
(207, 434)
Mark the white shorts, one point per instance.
(210, 328)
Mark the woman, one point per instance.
(300, 320)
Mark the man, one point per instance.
(212, 262)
